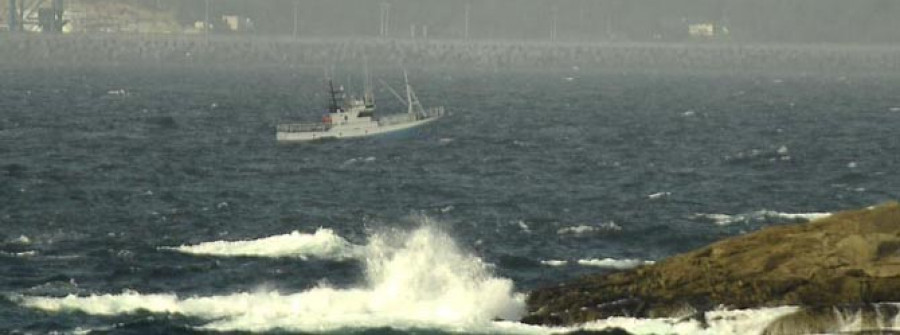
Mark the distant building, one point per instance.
(237, 23)
(707, 30)
(702, 30)
(200, 26)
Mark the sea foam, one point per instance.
(610, 263)
(760, 216)
(590, 229)
(722, 322)
(417, 279)
(323, 244)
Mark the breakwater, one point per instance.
(126, 50)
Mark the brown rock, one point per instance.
(849, 258)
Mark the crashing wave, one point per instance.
(419, 279)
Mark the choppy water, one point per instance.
(156, 200)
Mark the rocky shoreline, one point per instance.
(848, 262)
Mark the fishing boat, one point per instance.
(349, 117)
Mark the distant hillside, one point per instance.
(745, 21)
(119, 16)
(104, 16)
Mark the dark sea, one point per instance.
(156, 200)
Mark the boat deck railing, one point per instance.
(434, 111)
(303, 127)
(388, 120)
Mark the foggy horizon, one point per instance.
(745, 21)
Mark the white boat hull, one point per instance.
(348, 131)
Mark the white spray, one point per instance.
(419, 279)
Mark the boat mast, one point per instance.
(333, 108)
(409, 104)
(368, 95)
(412, 101)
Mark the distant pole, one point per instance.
(582, 26)
(468, 9)
(296, 32)
(20, 24)
(412, 31)
(13, 16)
(58, 10)
(206, 21)
(385, 19)
(608, 22)
(555, 11)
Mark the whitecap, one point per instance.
(324, 244)
(355, 160)
(586, 229)
(718, 219)
(611, 263)
(18, 254)
(783, 150)
(659, 195)
(794, 216)
(22, 239)
(610, 226)
(554, 262)
(577, 230)
(760, 216)
(524, 226)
